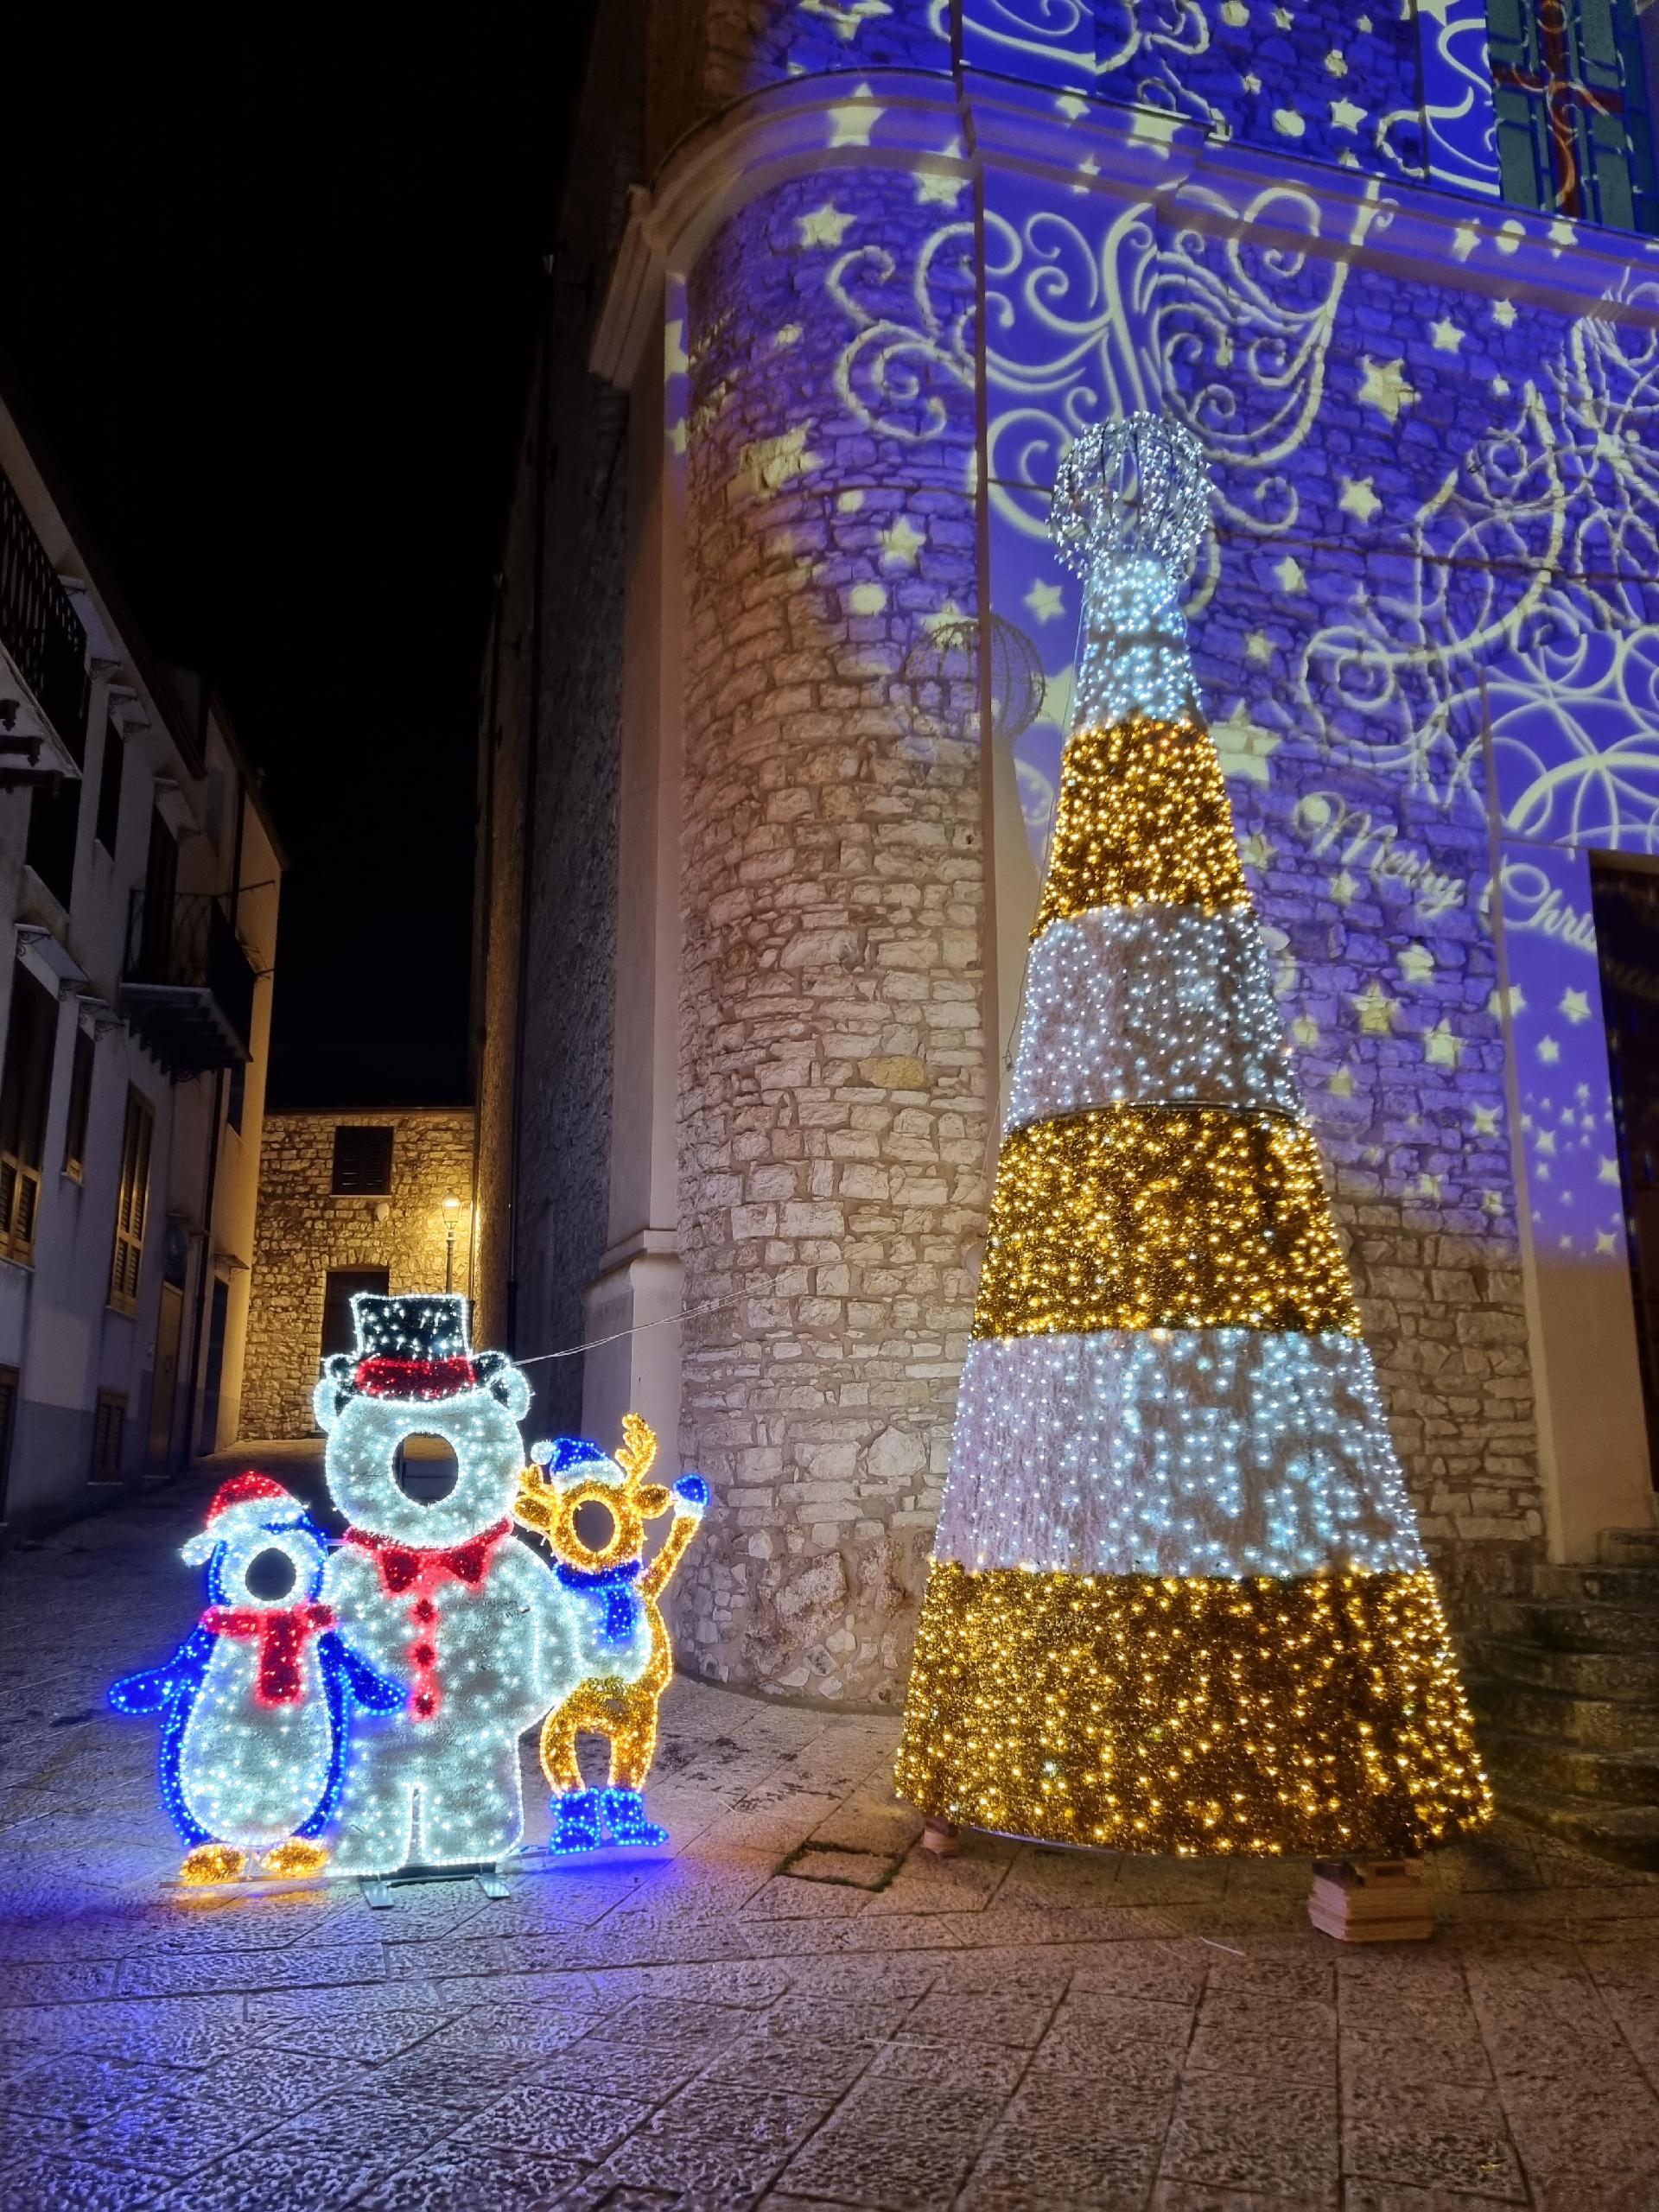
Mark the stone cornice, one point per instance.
(978, 125)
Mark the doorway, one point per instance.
(339, 1287)
(1625, 899)
(163, 1390)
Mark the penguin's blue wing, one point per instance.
(343, 1671)
(366, 1686)
(160, 1686)
(183, 1674)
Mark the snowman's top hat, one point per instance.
(416, 1349)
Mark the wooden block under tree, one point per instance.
(1371, 1900)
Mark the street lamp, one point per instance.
(451, 1208)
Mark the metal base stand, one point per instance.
(377, 1888)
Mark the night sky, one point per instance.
(276, 322)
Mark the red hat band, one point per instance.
(423, 1380)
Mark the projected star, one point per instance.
(1385, 386)
(1376, 1009)
(824, 225)
(901, 542)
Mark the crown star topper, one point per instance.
(1135, 489)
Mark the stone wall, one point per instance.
(304, 1229)
(833, 1129)
(548, 759)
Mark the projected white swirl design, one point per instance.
(1523, 556)
(1522, 572)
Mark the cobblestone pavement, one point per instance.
(793, 2010)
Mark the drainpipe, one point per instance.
(531, 764)
(210, 1180)
(486, 875)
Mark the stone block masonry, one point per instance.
(834, 1127)
(304, 1228)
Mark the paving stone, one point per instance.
(712, 2109)
(1017, 2017)
(1245, 2134)
(46, 2183)
(730, 2172)
(462, 2180)
(1435, 2152)
(917, 2168)
(556, 2121)
(1020, 2168)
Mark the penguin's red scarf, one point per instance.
(284, 1633)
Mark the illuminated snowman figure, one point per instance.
(258, 1698)
(438, 1591)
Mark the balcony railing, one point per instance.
(38, 627)
(186, 986)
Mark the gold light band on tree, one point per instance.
(1321, 1714)
(1178, 1218)
(1143, 815)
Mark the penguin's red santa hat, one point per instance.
(242, 1506)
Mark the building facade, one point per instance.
(781, 672)
(348, 1202)
(140, 878)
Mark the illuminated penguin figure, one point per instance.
(257, 1700)
(628, 1657)
(439, 1591)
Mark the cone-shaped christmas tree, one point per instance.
(1178, 1601)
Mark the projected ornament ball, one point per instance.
(939, 680)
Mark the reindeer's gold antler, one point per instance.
(638, 1446)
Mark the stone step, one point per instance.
(1613, 1586)
(1598, 1724)
(1562, 1769)
(1628, 1548)
(1627, 1833)
(1578, 1624)
(1632, 1675)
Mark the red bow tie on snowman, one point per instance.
(404, 1567)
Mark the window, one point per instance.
(80, 1100)
(1571, 87)
(53, 823)
(109, 1434)
(339, 1287)
(25, 1085)
(237, 1096)
(132, 1204)
(363, 1162)
(155, 948)
(107, 826)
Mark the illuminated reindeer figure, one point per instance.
(625, 1639)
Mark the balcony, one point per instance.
(186, 986)
(43, 639)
